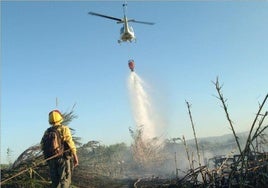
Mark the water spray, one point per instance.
(146, 145)
(141, 104)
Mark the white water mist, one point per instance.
(142, 107)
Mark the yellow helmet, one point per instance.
(55, 117)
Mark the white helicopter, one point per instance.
(126, 32)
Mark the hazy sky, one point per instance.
(56, 50)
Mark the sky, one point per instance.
(55, 50)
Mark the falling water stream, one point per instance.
(142, 107)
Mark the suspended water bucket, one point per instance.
(131, 64)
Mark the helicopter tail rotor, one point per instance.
(132, 20)
(124, 8)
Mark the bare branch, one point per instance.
(218, 88)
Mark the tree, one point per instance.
(9, 156)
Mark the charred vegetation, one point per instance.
(176, 162)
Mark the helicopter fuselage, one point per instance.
(126, 32)
(127, 35)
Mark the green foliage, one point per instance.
(4, 166)
(9, 156)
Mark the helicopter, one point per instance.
(126, 32)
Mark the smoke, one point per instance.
(143, 110)
(147, 148)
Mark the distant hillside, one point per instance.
(223, 145)
(209, 147)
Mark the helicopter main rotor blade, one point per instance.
(104, 16)
(141, 22)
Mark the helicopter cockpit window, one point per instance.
(122, 30)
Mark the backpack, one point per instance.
(52, 143)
